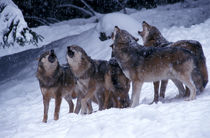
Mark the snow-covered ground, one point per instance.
(21, 99)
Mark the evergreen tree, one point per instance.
(13, 28)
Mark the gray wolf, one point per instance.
(151, 36)
(148, 64)
(94, 77)
(55, 82)
(121, 85)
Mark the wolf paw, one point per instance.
(44, 120)
(56, 117)
(189, 98)
(83, 113)
(134, 105)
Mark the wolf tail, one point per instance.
(201, 63)
(200, 73)
(204, 72)
(198, 80)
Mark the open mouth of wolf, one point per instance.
(52, 57)
(70, 53)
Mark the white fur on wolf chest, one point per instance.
(146, 34)
(127, 73)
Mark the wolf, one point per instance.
(148, 64)
(120, 84)
(151, 36)
(55, 81)
(118, 96)
(94, 77)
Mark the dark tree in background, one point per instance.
(44, 12)
(14, 28)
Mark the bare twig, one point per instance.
(76, 7)
(40, 20)
(88, 6)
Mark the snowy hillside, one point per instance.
(21, 100)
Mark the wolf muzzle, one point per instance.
(52, 56)
(70, 52)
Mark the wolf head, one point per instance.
(151, 36)
(48, 62)
(120, 36)
(77, 58)
(124, 100)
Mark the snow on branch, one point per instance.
(14, 28)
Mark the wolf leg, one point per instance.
(180, 87)
(116, 100)
(192, 92)
(58, 100)
(71, 104)
(86, 99)
(163, 88)
(90, 108)
(107, 97)
(187, 92)
(46, 101)
(156, 90)
(189, 83)
(78, 105)
(71, 107)
(100, 100)
(136, 90)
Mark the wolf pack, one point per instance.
(107, 83)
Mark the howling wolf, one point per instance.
(148, 64)
(95, 76)
(151, 36)
(55, 82)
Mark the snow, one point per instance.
(181, 14)
(21, 99)
(52, 33)
(123, 21)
